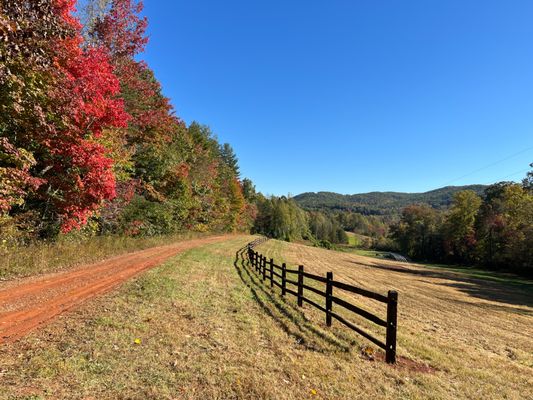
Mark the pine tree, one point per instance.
(230, 158)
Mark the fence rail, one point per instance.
(267, 270)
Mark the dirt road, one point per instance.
(32, 302)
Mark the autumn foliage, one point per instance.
(86, 134)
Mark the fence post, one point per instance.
(300, 285)
(255, 261)
(271, 272)
(264, 267)
(329, 294)
(283, 279)
(392, 320)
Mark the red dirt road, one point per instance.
(34, 301)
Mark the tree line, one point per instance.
(492, 227)
(282, 218)
(492, 230)
(389, 204)
(87, 139)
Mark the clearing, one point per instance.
(203, 326)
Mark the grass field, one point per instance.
(202, 326)
(352, 239)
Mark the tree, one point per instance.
(15, 177)
(528, 180)
(325, 227)
(83, 121)
(121, 29)
(281, 218)
(417, 232)
(517, 249)
(92, 12)
(230, 158)
(248, 190)
(459, 227)
(57, 98)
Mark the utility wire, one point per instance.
(508, 176)
(491, 165)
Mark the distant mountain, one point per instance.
(381, 203)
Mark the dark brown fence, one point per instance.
(280, 276)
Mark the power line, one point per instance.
(508, 176)
(491, 165)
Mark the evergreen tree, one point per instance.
(230, 158)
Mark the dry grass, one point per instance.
(476, 331)
(69, 252)
(209, 329)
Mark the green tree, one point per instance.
(326, 227)
(248, 190)
(528, 180)
(459, 227)
(417, 232)
(281, 218)
(230, 158)
(518, 215)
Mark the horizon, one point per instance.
(353, 98)
(389, 191)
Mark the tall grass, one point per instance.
(68, 252)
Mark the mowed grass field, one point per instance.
(352, 239)
(202, 326)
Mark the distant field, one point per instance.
(352, 239)
(202, 327)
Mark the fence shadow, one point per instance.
(286, 315)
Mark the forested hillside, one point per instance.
(381, 203)
(87, 139)
(490, 226)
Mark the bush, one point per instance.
(326, 244)
(385, 244)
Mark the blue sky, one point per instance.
(354, 96)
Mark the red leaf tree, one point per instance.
(57, 108)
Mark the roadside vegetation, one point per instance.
(75, 250)
(89, 143)
(162, 337)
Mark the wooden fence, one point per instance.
(280, 276)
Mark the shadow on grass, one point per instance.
(503, 288)
(286, 315)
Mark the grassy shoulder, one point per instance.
(202, 326)
(72, 251)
